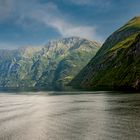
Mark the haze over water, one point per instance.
(101, 116)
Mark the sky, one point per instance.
(35, 22)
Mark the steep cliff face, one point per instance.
(48, 67)
(116, 64)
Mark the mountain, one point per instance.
(117, 64)
(47, 67)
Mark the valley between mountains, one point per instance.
(76, 63)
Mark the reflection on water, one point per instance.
(70, 117)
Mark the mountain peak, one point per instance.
(136, 18)
(72, 43)
(45, 67)
(133, 23)
(69, 39)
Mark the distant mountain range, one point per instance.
(50, 67)
(116, 66)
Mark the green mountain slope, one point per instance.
(48, 67)
(117, 64)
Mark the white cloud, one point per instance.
(100, 3)
(9, 45)
(51, 16)
(68, 29)
(81, 2)
(47, 14)
(6, 8)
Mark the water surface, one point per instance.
(101, 116)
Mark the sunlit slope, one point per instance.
(117, 64)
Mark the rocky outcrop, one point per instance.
(47, 67)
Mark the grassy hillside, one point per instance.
(116, 64)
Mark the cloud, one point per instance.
(67, 29)
(99, 3)
(8, 45)
(81, 2)
(51, 16)
(6, 8)
(34, 11)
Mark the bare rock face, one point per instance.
(46, 67)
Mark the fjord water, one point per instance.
(103, 116)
